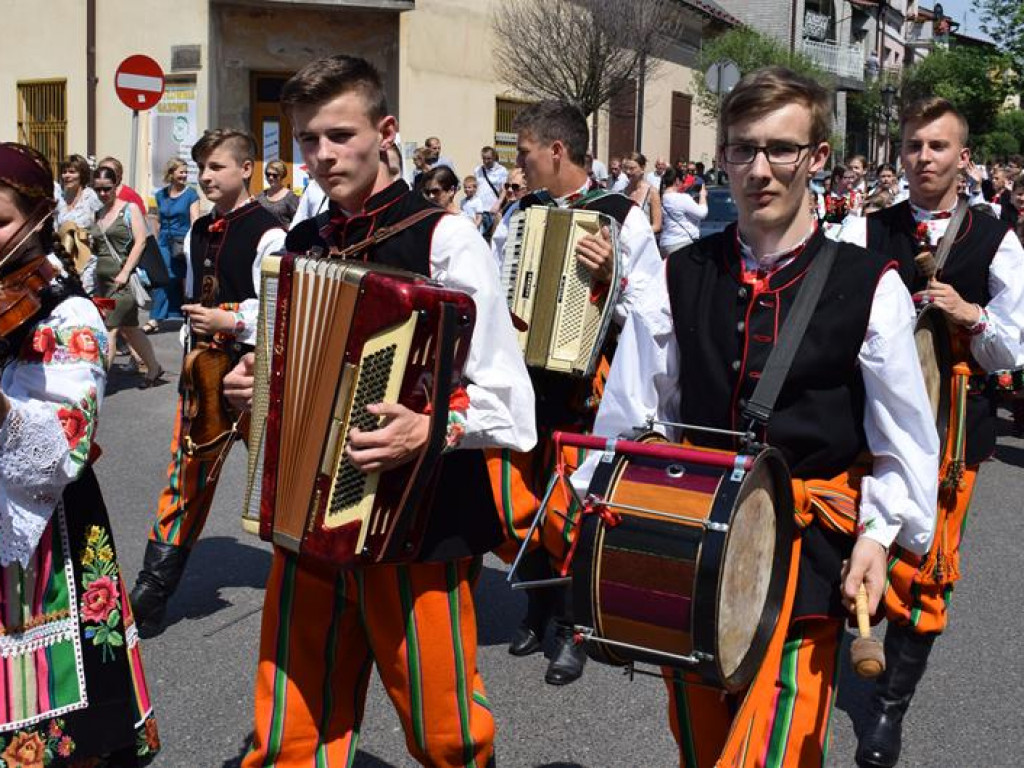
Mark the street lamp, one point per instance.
(888, 97)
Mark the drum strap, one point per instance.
(761, 404)
(946, 243)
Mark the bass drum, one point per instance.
(935, 353)
(690, 568)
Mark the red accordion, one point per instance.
(347, 335)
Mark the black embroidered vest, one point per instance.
(891, 232)
(463, 519)
(232, 248)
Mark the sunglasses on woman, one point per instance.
(513, 187)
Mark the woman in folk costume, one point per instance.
(72, 690)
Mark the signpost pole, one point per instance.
(134, 157)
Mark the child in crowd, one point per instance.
(472, 207)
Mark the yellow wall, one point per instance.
(54, 47)
(446, 85)
(658, 116)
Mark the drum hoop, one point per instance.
(785, 531)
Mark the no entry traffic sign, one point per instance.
(139, 82)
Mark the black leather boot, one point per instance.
(530, 633)
(569, 658)
(539, 605)
(906, 658)
(162, 568)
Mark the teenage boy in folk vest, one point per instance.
(552, 144)
(228, 243)
(981, 291)
(693, 352)
(415, 622)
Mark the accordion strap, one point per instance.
(382, 234)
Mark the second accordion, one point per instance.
(344, 335)
(563, 313)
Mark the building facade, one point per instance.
(226, 60)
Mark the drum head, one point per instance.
(755, 567)
(931, 335)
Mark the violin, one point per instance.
(21, 293)
(22, 289)
(209, 425)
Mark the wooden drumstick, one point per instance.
(866, 653)
(925, 262)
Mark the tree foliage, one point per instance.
(582, 51)
(971, 79)
(1003, 21)
(750, 50)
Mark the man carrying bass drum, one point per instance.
(693, 352)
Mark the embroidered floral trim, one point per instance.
(36, 747)
(79, 424)
(52, 345)
(101, 602)
(458, 404)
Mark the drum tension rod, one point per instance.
(588, 635)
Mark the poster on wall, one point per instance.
(173, 130)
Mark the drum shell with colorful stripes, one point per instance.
(691, 572)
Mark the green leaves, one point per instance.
(750, 50)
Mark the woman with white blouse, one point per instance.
(74, 691)
(681, 214)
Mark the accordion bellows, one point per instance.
(334, 337)
(566, 315)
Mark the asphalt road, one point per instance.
(201, 668)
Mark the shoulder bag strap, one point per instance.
(761, 404)
(946, 243)
(490, 184)
(383, 234)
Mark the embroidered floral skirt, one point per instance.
(72, 689)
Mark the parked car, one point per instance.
(721, 211)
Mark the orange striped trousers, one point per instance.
(323, 633)
(185, 501)
(918, 592)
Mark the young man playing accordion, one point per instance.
(980, 291)
(323, 632)
(552, 144)
(852, 420)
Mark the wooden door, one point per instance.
(622, 122)
(682, 107)
(272, 130)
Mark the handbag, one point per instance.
(152, 261)
(141, 296)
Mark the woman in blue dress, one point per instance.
(178, 206)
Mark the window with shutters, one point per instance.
(505, 111)
(43, 117)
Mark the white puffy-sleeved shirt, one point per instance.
(897, 499)
(998, 347)
(501, 406)
(55, 388)
(272, 241)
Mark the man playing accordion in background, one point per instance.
(552, 144)
(852, 419)
(324, 630)
(980, 291)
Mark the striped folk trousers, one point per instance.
(918, 595)
(185, 501)
(323, 634)
(788, 726)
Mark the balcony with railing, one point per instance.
(840, 59)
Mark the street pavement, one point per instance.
(201, 668)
